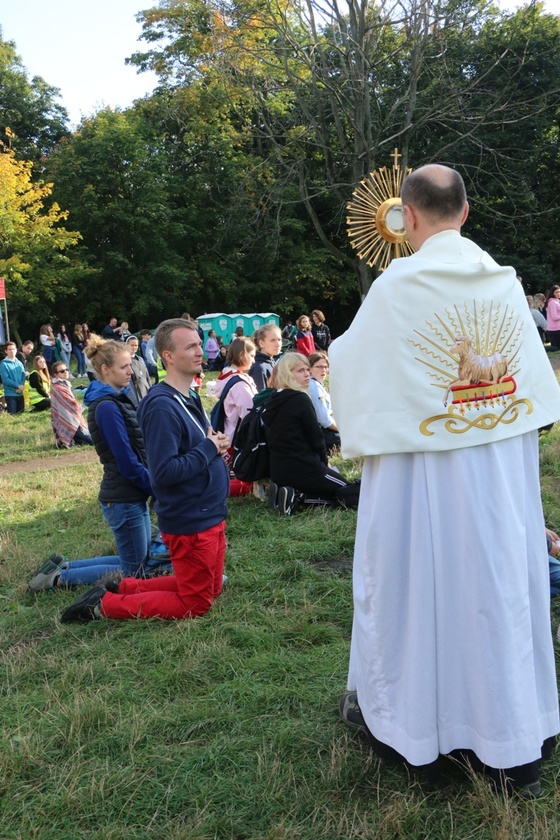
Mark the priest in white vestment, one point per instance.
(451, 641)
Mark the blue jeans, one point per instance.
(81, 360)
(82, 439)
(132, 530)
(85, 572)
(554, 572)
(15, 405)
(66, 356)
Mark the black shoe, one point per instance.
(351, 713)
(522, 780)
(272, 495)
(286, 500)
(86, 608)
(111, 581)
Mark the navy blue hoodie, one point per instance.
(189, 479)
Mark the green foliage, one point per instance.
(227, 189)
(111, 175)
(325, 95)
(36, 121)
(35, 247)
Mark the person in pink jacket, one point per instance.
(239, 399)
(553, 318)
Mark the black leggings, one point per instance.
(331, 487)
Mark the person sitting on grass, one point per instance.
(125, 486)
(39, 385)
(13, 380)
(298, 455)
(67, 418)
(320, 397)
(268, 341)
(239, 399)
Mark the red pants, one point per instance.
(198, 565)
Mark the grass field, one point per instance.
(221, 727)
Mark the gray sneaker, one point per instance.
(351, 713)
(46, 575)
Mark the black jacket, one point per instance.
(114, 486)
(321, 336)
(261, 369)
(295, 440)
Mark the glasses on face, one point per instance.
(61, 370)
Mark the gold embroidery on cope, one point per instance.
(472, 353)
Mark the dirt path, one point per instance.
(83, 455)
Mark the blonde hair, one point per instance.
(301, 319)
(260, 334)
(102, 351)
(283, 372)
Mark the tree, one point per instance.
(35, 247)
(327, 91)
(36, 121)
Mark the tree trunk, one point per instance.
(365, 276)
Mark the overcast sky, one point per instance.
(80, 47)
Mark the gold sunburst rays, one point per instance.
(492, 327)
(375, 226)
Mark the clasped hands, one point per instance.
(220, 441)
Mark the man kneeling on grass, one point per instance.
(190, 482)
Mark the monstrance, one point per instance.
(375, 220)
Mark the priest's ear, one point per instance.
(411, 223)
(409, 217)
(466, 209)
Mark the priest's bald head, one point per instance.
(434, 199)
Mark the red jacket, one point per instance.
(305, 342)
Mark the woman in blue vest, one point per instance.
(125, 486)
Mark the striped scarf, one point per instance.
(66, 412)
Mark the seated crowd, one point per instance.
(149, 453)
(152, 439)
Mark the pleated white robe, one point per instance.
(451, 640)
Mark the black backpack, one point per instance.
(251, 460)
(218, 413)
